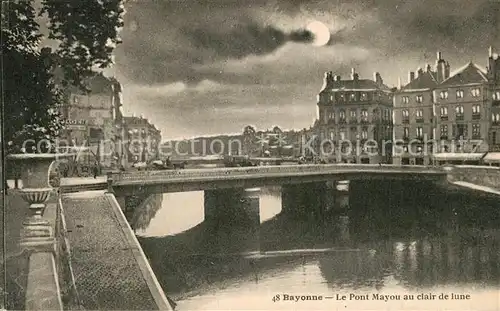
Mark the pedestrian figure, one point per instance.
(96, 170)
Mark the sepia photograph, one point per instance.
(250, 155)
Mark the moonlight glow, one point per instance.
(320, 31)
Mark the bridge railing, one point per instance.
(480, 175)
(266, 170)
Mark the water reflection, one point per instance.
(397, 238)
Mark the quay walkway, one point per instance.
(110, 269)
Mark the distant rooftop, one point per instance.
(425, 80)
(469, 74)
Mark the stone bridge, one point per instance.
(129, 183)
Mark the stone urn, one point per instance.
(35, 174)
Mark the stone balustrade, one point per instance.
(488, 176)
(40, 229)
(263, 171)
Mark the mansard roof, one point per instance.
(426, 80)
(469, 74)
(355, 85)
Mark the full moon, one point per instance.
(320, 31)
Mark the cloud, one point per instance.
(244, 39)
(193, 65)
(171, 89)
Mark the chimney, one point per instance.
(490, 52)
(354, 75)
(420, 71)
(412, 76)
(378, 78)
(328, 79)
(399, 83)
(428, 68)
(440, 68)
(337, 78)
(447, 70)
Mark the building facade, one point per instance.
(414, 115)
(461, 106)
(493, 75)
(94, 120)
(144, 139)
(354, 120)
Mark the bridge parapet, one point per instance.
(264, 171)
(488, 176)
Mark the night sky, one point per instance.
(210, 67)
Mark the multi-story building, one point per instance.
(414, 114)
(94, 119)
(143, 139)
(461, 108)
(355, 119)
(493, 75)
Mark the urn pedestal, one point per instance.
(37, 233)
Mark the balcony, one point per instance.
(405, 121)
(353, 121)
(419, 120)
(342, 121)
(476, 116)
(459, 117)
(444, 118)
(443, 137)
(364, 121)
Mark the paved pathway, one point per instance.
(111, 271)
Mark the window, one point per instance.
(419, 113)
(495, 117)
(352, 96)
(405, 113)
(364, 115)
(342, 115)
(332, 135)
(444, 113)
(331, 97)
(476, 111)
(342, 133)
(443, 94)
(353, 114)
(476, 92)
(341, 97)
(444, 131)
(460, 131)
(419, 98)
(496, 95)
(364, 133)
(387, 114)
(364, 96)
(460, 93)
(405, 99)
(459, 112)
(420, 132)
(331, 116)
(476, 131)
(406, 132)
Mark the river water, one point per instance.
(381, 250)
